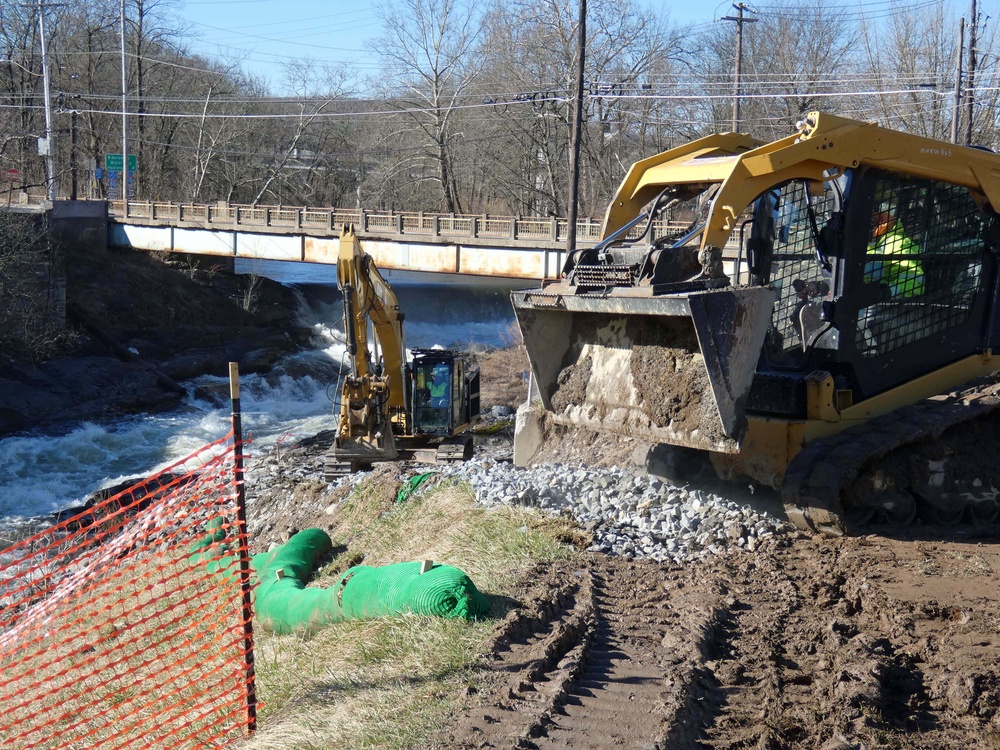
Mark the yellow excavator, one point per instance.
(817, 314)
(393, 407)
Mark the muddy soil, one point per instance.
(865, 642)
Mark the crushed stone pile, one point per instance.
(629, 515)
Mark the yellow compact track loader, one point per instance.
(393, 407)
(823, 322)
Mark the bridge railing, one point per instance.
(327, 221)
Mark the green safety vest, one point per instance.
(905, 277)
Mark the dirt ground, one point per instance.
(867, 642)
(864, 643)
(859, 643)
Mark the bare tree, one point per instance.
(909, 58)
(21, 82)
(427, 51)
(530, 52)
(791, 55)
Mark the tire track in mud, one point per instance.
(607, 660)
(616, 699)
(747, 665)
(818, 645)
(811, 654)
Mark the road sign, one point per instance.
(98, 174)
(12, 175)
(114, 161)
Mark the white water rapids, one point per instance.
(43, 472)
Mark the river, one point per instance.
(43, 472)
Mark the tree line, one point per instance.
(470, 110)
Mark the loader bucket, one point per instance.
(672, 369)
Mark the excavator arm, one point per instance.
(367, 297)
(374, 396)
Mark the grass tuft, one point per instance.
(389, 683)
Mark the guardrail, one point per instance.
(508, 230)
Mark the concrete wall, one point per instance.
(81, 223)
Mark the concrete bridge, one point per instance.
(445, 245)
(466, 245)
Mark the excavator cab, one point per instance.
(445, 395)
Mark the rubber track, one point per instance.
(818, 476)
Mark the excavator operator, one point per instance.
(439, 387)
(904, 276)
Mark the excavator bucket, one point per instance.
(673, 369)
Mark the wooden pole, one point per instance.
(244, 547)
(970, 94)
(574, 152)
(956, 112)
(738, 72)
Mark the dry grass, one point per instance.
(391, 682)
(152, 633)
(503, 372)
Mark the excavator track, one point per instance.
(933, 459)
(455, 450)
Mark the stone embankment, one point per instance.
(627, 514)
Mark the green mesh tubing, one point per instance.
(284, 605)
(410, 485)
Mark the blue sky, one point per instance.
(264, 34)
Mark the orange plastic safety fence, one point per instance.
(114, 635)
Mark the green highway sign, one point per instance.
(113, 162)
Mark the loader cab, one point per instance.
(792, 249)
(881, 277)
(445, 394)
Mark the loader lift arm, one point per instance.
(744, 167)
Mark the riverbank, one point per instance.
(137, 324)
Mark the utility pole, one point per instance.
(574, 154)
(48, 150)
(124, 176)
(740, 20)
(970, 95)
(956, 110)
(72, 154)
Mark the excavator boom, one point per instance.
(386, 410)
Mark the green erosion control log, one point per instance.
(284, 604)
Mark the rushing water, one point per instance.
(44, 472)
